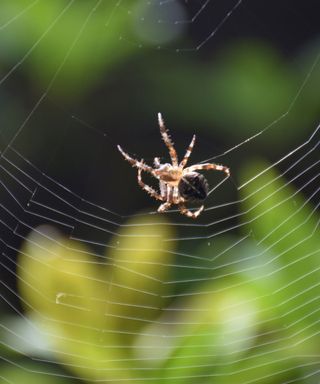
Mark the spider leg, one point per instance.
(167, 140)
(175, 195)
(207, 167)
(136, 163)
(147, 188)
(164, 207)
(167, 193)
(163, 190)
(188, 213)
(156, 162)
(188, 153)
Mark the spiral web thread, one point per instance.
(156, 325)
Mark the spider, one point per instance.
(178, 185)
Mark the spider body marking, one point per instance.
(178, 185)
(194, 187)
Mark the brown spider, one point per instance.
(178, 184)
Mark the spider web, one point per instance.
(96, 286)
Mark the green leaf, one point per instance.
(286, 224)
(90, 312)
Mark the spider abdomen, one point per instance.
(193, 187)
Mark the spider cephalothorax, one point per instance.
(177, 184)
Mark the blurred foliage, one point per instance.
(287, 225)
(257, 323)
(76, 300)
(74, 48)
(244, 88)
(71, 43)
(28, 373)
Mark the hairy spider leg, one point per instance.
(136, 163)
(164, 207)
(156, 162)
(207, 167)
(167, 140)
(163, 189)
(183, 209)
(188, 153)
(167, 195)
(147, 188)
(175, 195)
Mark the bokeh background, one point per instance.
(80, 77)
